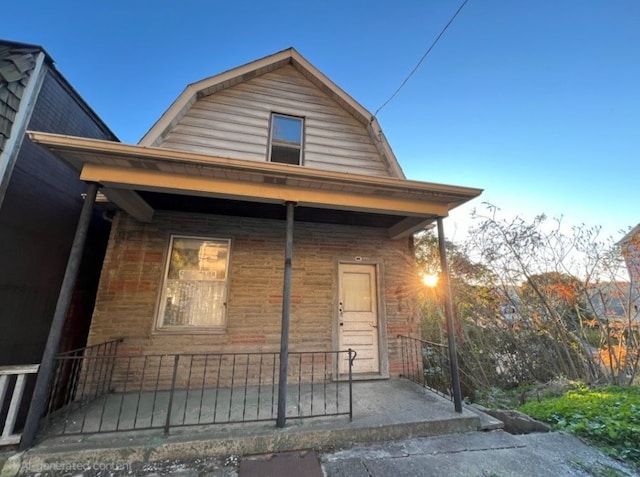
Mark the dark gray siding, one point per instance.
(37, 224)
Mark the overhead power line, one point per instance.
(422, 59)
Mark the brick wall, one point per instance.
(134, 265)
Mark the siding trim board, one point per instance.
(16, 66)
(9, 154)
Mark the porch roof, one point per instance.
(138, 179)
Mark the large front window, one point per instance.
(195, 284)
(286, 139)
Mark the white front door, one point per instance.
(358, 317)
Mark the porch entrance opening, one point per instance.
(358, 317)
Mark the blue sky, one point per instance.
(536, 102)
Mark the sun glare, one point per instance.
(430, 280)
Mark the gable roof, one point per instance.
(18, 63)
(257, 68)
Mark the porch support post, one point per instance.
(286, 311)
(450, 316)
(38, 401)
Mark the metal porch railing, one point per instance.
(108, 392)
(82, 372)
(426, 363)
(12, 379)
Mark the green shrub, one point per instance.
(608, 417)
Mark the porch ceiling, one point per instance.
(208, 205)
(140, 179)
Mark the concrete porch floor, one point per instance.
(384, 410)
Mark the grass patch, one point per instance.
(608, 417)
(497, 398)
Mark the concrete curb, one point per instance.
(487, 421)
(150, 449)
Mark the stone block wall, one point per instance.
(132, 275)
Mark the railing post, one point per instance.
(286, 309)
(403, 354)
(113, 353)
(38, 400)
(13, 406)
(7, 436)
(167, 423)
(351, 383)
(449, 313)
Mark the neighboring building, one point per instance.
(195, 261)
(40, 199)
(616, 301)
(630, 248)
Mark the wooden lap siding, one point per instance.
(132, 275)
(235, 123)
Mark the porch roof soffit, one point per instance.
(122, 169)
(235, 76)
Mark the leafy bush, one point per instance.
(533, 302)
(608, 417)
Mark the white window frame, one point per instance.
(273, 141)
(164, 296)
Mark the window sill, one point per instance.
(189, 331)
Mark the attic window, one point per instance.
(286, 139)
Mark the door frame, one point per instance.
(383, 355)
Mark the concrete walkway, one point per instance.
(480, 454)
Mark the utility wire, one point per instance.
(422, 59)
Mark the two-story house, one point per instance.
(263, 209)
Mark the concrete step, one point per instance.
(487, 422)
